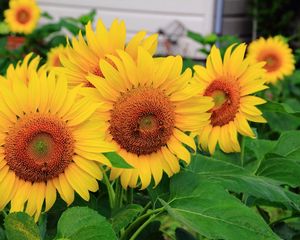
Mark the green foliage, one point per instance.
(207, 41)
(206, 208)
(124, 216)
(116, 160)
(20, 226)
(283, 12)
(248, 195)
(82, 223)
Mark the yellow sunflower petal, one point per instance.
(176, 147)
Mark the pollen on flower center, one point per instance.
(39, 147)
(273, 62)
(23, 16)
(226, 97)
(142, 120)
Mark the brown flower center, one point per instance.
(226, 96)
(39, 147)
(23, 16)
(272, 60)
(142, 120)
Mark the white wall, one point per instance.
(151, 15)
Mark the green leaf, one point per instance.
(239, 180)
(124, 216)
(280, 121)
(44, 31)
(196, 36)
(57, 40)
(277, 107)
(211, 38)
(283, 161)
(160, 191)
(208, 209)
(288, 144)
(84, 19)
(46, 15)
(282, 169)
(20, 226)
(116, 160)
(73, 28)
(260, 147)
(83, 223)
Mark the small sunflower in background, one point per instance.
(83, 57)
(22, 16)
(278, 57)
(53, 56)
(150, 105)
(230, 83)
(49, 142)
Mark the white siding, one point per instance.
(151, 15)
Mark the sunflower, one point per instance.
(53, 56)
(84, 55)
(22, 16)
(229, 83)
(277, 55)
(150, 105)
(49, 142)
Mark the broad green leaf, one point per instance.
(162, 190)
(260, 147)
(287, 144)
(116, 160)
(83, 223)
(282, 169)
(276, 107)
(293, 103)
(280, 116)
(239, 180)
(124, 216)
(283, 161)
(208, 209)
(20, 226)
(280, 121)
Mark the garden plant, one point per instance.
(102, 139)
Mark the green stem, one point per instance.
(242, 151)
(130, 196)
(139, 220)
(110, 190)
(142, 227)
(119, 194)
